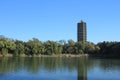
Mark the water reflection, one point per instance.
(35, 65)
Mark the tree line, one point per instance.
(36, 47)
(111, 49)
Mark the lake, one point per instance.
(56, 68)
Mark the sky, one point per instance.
(57, 19)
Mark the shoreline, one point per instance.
(65, 55)
(54, 55)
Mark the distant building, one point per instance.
(81, 31)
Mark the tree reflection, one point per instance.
(50, 64)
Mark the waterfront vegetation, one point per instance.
(35, 47)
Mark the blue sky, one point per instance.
(57, 19)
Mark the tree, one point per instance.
(89, 47)
(70, 46)
(7, 46)
(79, 47)
(34, 46)
(20, 48)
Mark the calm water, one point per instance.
(59, 69)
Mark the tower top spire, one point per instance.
(81, 21)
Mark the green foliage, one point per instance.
(4, 51)
(80, 47)
(110, 48)
(7, 46)
(19, 49)
(36, 47)
(33, 46)
(2, 44)
(89, 47)
(52, 47)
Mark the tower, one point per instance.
(81, 31)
